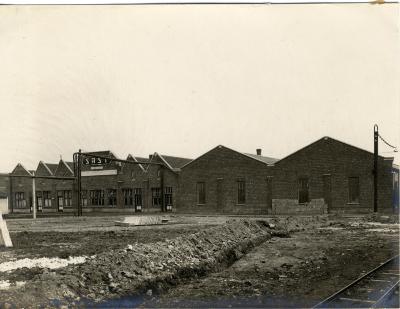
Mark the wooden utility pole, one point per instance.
(376, 134)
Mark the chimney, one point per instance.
(258, 151)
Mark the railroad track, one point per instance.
(377, 289)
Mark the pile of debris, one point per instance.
(150, 268)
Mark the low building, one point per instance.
(107, 185)
(226, 181)
(332, 174)
(326, 176)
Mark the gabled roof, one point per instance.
(327, 138)
(19, 165)
(70, 165)
(66, 165)
(265, 160)
(175, 162)
(50, 167)
(137, 159)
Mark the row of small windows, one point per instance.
(97, 197)
(43, 199)
(303, 191)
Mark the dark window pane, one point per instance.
(354, 190)
(201, 193)
(241, 189)
(303, 191)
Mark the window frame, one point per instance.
(47, 199)
(301, 189)
(96, 195)
(241, 192)
(137, 197)
(112, 197)
(168, 196)
(20, 201)
(156, 197)
(349, 188)
(201, 195)
(128, 196)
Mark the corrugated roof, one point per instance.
(267, 160)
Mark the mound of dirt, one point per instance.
(147, 268)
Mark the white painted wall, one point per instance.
(4, 205)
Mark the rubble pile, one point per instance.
(150, 268)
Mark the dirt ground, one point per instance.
(299, 271)
(321, 256)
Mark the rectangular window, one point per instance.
(97, 197)
(201, 193)
(47, 198)
(241, 190)
(84, 199)
(20, 201)
(303, 191)
(60, 198)
(156, 196)
(128, 198)
(138, 196)
(112, 197)
(168, 196)
(39, 199)
(67, 198)
(354, 190)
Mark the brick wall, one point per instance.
(340, 161)
(220, 169)
(20, 184)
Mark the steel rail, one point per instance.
(379, 302)
(333, 296)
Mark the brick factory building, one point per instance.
(111, 186)
(325, 176)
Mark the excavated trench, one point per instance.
(160, 284)
(215, 249)
(124, 277)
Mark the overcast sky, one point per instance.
(180, 80)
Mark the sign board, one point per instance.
(99, 173)
(95, 161)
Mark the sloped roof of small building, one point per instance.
(327, 138)
(23, 168)
(176, 162)
(264, 159)
(172, 162)
(70, 165)
(52, 167)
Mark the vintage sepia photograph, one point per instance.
(200, 155)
